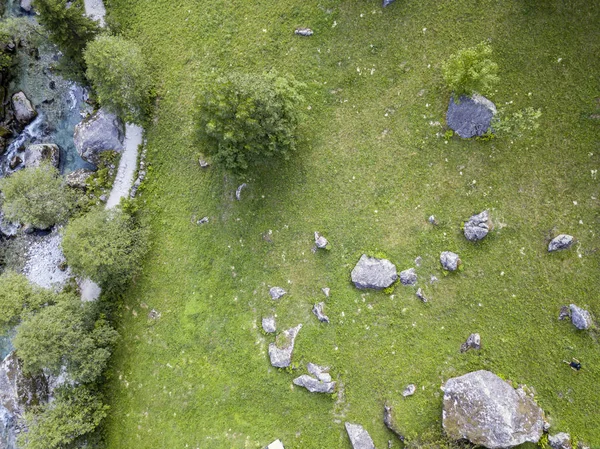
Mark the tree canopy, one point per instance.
(471, 71)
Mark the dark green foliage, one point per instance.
(471, 71)
(70, 30)
(117, 70)
(246, 119)
(75, 412)
(65, 334)
(105, 246)
(18, 296)
(36, 196)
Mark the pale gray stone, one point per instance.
(26, 5)
(449, 260)
(100, 132)
(581, 318)
(268, 324)
(24, 110)
(374, 273)
(473, 342)
(471, 116)
(560, 242)
(561, 440)
(487, 411)
(389, 422)
(314, 385)
(7, 228)
(320, 241)
(320, 372)
(44, 152)
(277, 444)
(421, 295)
(238, 192)
(387, 2)
(408, 277)
(276, 292)
(303, 32)
(318, 311)
(409, 390)
(281, 357)
(326, 291)
(477, 227)
(78, 178)
(359, 437)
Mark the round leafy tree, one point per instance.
(105, 246)
(19, 297)
(37, 196)
(471, 71)
(120, 76)
(247, 119)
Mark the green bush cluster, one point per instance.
(247, 119)
(37, 196)
(471, 71)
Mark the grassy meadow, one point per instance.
(373, 165)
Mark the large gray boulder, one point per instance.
(44, 152)
(560, 242)
(449, 260)
(371, 272)
(561, 440)
(26, 5)
(314, 385)
(24, 110)
(581, 318)
(18, 390)
(280, 353)
(487, 411)
(478, 226)
(471, 116)
(359, 437)
(100, 132)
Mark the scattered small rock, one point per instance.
(478, 226)
(561, 440)
(558, 243)
(276, 292)
(320, 241)
(45, 152)
(432, 220)
(418, 261)
(408, 277)
(318, 311)
(388, 420)
(314, 385)
(359, 437)
(15, 162)
(26, 5)
(203, 163)
(421, 295)
(581, 318)
(326, 291)
(409, 390)
(449, 260)
(238, 192)
(564, 313)
(374, 273)
(282, 357)
(320, 372)
(268, 324)
(303, 32)
(154, 314)
(78, 178)
(433, 279)
(387, 2)
(202, 221)
(473, 342)
(103, 198)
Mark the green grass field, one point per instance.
(373, 166)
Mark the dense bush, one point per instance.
(66, 334)
(105, 246)
(75, 412)
(70, 29)
(246, 119)
(19, 297)
(471, 71)
(37, 196)
(118, 72)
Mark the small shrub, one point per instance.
(516, 124)
(75, 412)
(36, 196)
(471, 71)
(119, 74)
(65, 334)
(18, 297)
(105, 246)
(248, 119)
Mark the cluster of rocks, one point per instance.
(581, 318)
(318, 382)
